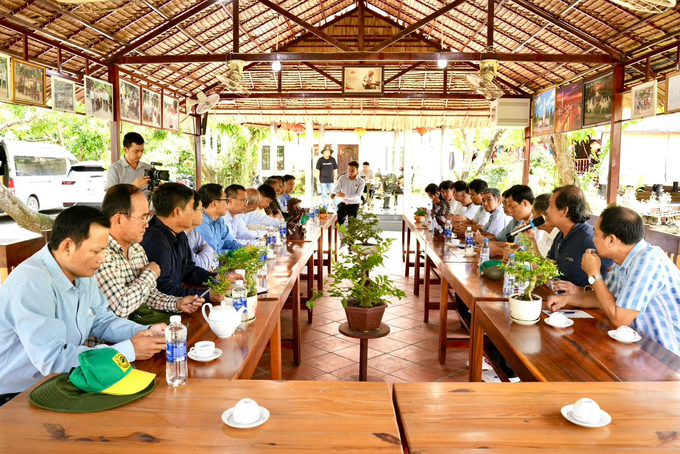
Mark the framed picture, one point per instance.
(597, 100)
(98, 99)
(63, 95)
(569, 107)
(673, 92)
(5, 79)
(644, 100)
(362, 79)
(151, 108)
(29, 83)
(130, 103)
(170, 113)
(544, 113)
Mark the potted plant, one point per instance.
(363, 230)
(247, 258)
(533, 270)
(323, 213)
(419, 214)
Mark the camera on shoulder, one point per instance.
(156, 175)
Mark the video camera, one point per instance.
(155, 175)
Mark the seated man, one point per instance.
(213, 229)
(349, 187)
(51, 303)
(166, 243)
(432, 191)
(470, 196)
(288, 187)
(643, 287)
(236, 206)
(461, 192)
(538, 209)
(273, 208)
(127, 279)
(369, 177)
(255, 216)
(446, 194)
(497, 220)
(201, 252)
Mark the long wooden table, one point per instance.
(343, 417)
(582, 352)
(526, 417)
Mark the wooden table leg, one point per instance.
(476, 347)
(408, 251)
(428, 265)
(310, 276)
(443, 319)
(330, 237)
(416, 270)
(319, 264)
(275, 350)
(296, 322)
(335, 250)
(363, 359)
(403, 238)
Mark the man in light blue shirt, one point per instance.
(288, 187)
(491, 201)
(51, 304)
(642, 289)
(236, 205)
(213, 229)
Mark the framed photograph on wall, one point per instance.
(151, 108)
(569, 107)
(362, 79)
(130, 102)
(644, 100)
(98, 99)
(543, 121)
(598, 95)
(5, 78)
(63, 95)
(170, 113)
(29, 83)
(673, 92)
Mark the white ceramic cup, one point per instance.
(455, 242)
(470, 252)
(587, 411)
(246, 411)
(203, 349)
(625, 333)
(558, 319)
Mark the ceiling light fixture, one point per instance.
(442, 63)
(276, 66)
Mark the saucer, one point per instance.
(568, 324)
(228, 419)
(216, 354)
(612, 334)
(524, 322)
(604, 418)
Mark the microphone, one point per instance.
(539, 221)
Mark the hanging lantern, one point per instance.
(298, 129)
(287, 127)
(360, 132)
(422, 131)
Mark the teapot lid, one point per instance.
(239, 282)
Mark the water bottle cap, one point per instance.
(175, 319)
(486, 240)
(239, 282)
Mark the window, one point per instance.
(54, 166)
(280, 161)
(27, 166)
(266, 158)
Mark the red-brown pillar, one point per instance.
(197, 152)
(615, 137)
(115, 125)
(527, 155)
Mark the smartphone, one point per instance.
(204, 293)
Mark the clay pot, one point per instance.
(365, 319)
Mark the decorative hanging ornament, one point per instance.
(298, 129)
(422, 131)
(360, 132)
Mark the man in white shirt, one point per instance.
(369, 178)
(446, 193)
(470, 208)
(236, 205)
(255, 217)
(349, 187)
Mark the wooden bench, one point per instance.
(15, 252)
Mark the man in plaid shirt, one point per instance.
(127, 279)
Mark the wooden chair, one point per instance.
(12, 254)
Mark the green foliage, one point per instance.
(420, 212)
(246, 258)
(238, 155)
(363, 229)
(352, 284)
(538, 271)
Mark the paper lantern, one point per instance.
(360, 132)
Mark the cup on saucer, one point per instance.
(203, 349)
(558, 319)
(246, 412)
(586, 411)
(625, 333)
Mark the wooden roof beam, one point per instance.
(403, 71)
(324, 94)
(412, 28)
(323, 73)
(72, 16)
(178, 27)
(310, 28)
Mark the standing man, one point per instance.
(326, 172)
(350, 187)
(130, 169)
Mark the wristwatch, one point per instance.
(593, 279)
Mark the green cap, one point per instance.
(104, 380)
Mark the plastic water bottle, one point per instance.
(509, 278)
(271, 240)
(317, 213)
(262, 245)
(312, 219)
(469, 241)
(448, 231)
(176, 371)
(283, 230)
(485, 252)
(239, 297)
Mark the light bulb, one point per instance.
(441, 63)
(276, 66)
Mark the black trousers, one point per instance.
(345, 210)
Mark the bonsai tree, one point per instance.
(538, 271)
(420, 212)
(363, 229)
(246, 258)
(352, 284)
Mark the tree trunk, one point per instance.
(468, 139)
(564, 158)
(490, 149)
(25, 217)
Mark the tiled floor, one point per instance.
(407, 354)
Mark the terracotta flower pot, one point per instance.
(418, 218)
(365, 319)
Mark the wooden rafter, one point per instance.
(324, 94)
(322, 72)
(81, 21)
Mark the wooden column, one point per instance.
(115, 125)
(198, 152)
(615, 136)
(272, 150)
(309, 157)
(527, 155)
(236, 25)
(444, 153)
(408, 147)
(25, 37)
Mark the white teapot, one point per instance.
(223, 320)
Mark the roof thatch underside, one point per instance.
(108, 30)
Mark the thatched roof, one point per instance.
(95, 35)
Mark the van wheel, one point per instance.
(33, 204)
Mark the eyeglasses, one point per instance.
(145, 219)
(240, 200)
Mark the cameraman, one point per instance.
(130, 169)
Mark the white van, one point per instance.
(34, 172)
